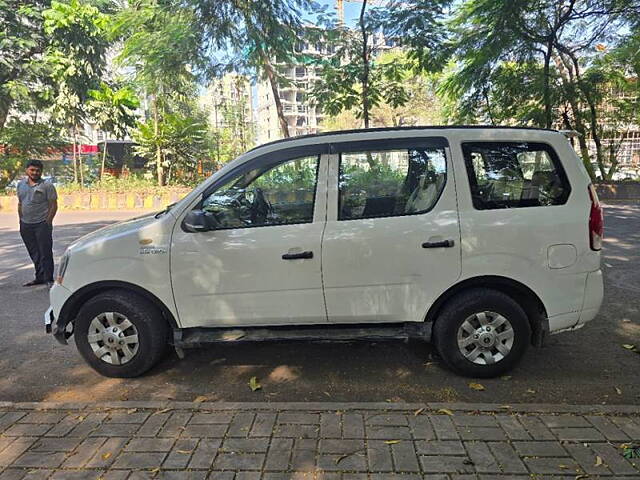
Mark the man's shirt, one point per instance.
(35, 200)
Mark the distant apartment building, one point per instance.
(303, 116)
(228, 103)
(227, 96)
(621, 136)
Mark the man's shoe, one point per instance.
(33, 283)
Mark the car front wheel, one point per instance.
(120, 334)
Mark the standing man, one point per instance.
(37, 205)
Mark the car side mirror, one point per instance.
(199, 221)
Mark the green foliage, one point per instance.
(534, 62)
(358, 78)
(111, 184)
(162, 43)
(300, 176)
(22, 41)
(180, 140)
(113, 109)
(20, 141)
(75, 55)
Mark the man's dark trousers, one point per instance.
(37, 238)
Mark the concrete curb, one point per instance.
(106, 200)
(331, 406)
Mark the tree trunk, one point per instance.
(104, 154)
(74, 157)
(80, 165)
(579, 127)
(548, 120)
(595, 134)
(365, 68)
(159, 169)
(4, 113)
(273, 81)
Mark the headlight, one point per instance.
(64, 262)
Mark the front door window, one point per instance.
(280, 195)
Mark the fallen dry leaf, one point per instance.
(132, 410)
(506, 406)
(106, 456)
(628, 346)
(530, 390)
(164, 410)
(391, 442)
(184, 452)
(445, 411)
(618, 391)
(254, 384)
(154, 470)
(418, 412)
(599, 461)
(200, 399)
(476, 386)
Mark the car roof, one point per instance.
(395, 129)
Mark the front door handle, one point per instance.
(442, 244)
(296, 256)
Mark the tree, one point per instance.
(20, 140)
(165, 46)
(75, 57)
(22, 42)
(548, 44)
(114, 110)
(354, 77)
(261, 36)
(180, 139)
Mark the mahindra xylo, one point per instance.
(481, 240)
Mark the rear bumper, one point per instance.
(593, 296)
(591, 303)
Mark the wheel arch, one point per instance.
(72, 306)
(526, 298)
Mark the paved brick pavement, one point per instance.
(253, 441)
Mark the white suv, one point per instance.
(482, 240)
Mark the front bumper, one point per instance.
(51, 326)
(58, 295)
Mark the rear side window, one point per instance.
(512, 175)
(390, 183)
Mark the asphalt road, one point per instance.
(589, 366)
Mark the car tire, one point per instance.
(481, 333)
(120, 334)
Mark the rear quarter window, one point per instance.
(514, 175)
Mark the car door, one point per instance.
(261, 263)
(391, 244)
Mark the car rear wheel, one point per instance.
(482, 333)
(120, 334)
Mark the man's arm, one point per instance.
(19, 211)
(53, 204)
(53, 209)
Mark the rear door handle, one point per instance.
(442, 244)
(296, 256)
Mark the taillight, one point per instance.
(596, 220)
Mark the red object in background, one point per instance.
(82, 149)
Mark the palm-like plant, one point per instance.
(177, 141)
(114, 111)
